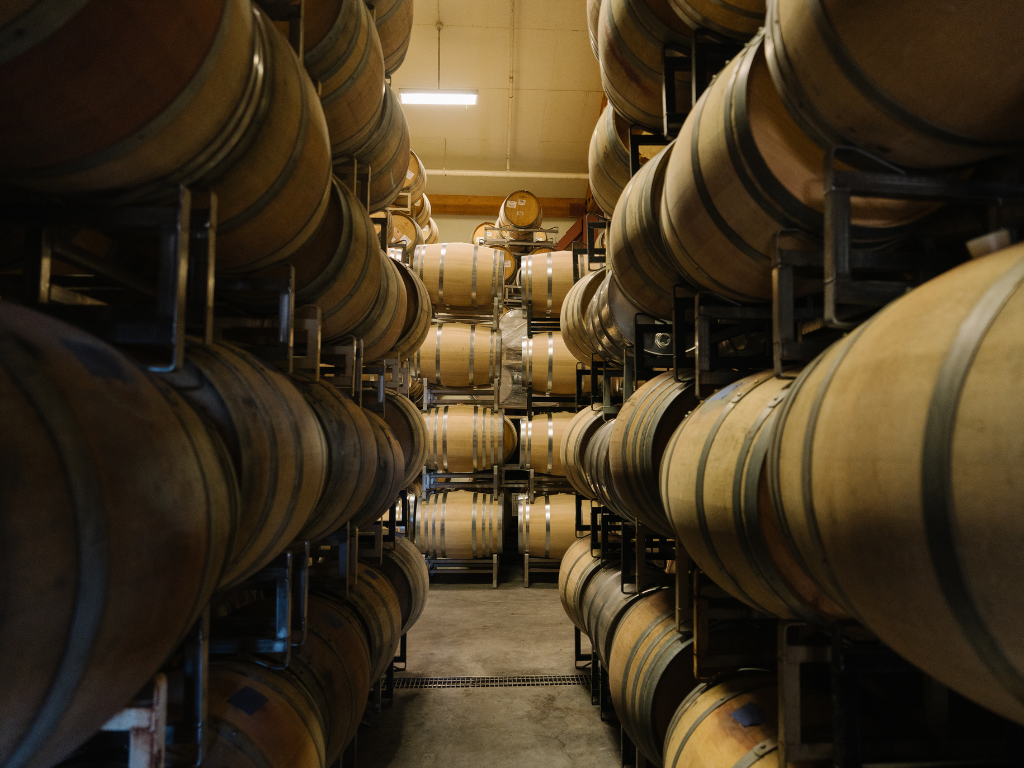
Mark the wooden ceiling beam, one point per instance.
(487, 207)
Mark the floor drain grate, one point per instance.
(490, 682)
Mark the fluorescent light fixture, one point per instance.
(457, 98)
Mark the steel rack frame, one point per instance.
(705, 55)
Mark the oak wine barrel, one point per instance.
(386, 151)
(403, 566)
(129, 499)
(608, 160)
(602, 608)
(481, 232)
(351, 456)
(573, 448)
(738, 20)
(415, 178)
(276, 443)
(636, 446)
(611, 319)
(597, 471)
(547, 526)
(340, 269)
(343, 53)
(333, 665)
(905, 509)
(407, 425)
(593, 16)
(387, 479)
(541, 442)
(546, 277)
(578, 567)
(573, 317)
(461, 275)
(418, 314)
(382, 326)
(460, 525)
(459, 355)
(727, 193)
(394, 20)
(548, 366)
(519, 210)
(406, 232)
(716, 496)
(259, 716)
(421, 211)
(927, 107)
(431, 234)
(467, 438)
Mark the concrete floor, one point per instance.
(470, 629)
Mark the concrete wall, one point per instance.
(458, 229)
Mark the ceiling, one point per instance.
(556, 97)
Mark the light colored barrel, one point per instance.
(593, 16)
(403, 565)
(390, 471)
(728, 192)
(573, 317)
(467, 438)
(713, 489)
(547, 526)
(175, 119)
(461, 275)
(610, 319)
(548, 366)
(578, 567)
(421, 211)
(603, 606)
(481, 232)
(541, 441)
(608, 157)
(643, 267)
(273, 197)
(382, 327)
(394, 26)
(333, 665)
(386, 151)
(546, 277)
(459, 355)
(431, 234)
(637, 443)
(418, 313)
(406, 231)
(343, 53)
(573, 448)
(704, 733)
(340, 269)
(276, 442)
(259, 716)
(521, 209)
(650, 670)
(904, 509)
(351, 456)
(127, 497)
(415, 178)
(460, 525)
(909, 108)
(739, 20)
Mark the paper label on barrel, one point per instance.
(511, 204)
(508, 263)
(410, 175)
(404, 239)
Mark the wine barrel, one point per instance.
(340, 270)
(547, 526)
(481, 232)
(905, 509)
(387, 479)
(573, 317)
(597, 471)
(579, 566)
(713, 488)
(394, 26)
(258, 716)
(608, 157)
(546, 277)
(728, 192)
(650, 670)
(467, 438)
(462, 275)
(610, 318)
(343, 54)
(907, 109)
(403, 566)
(386, 152)
(175, 118)
(275, 440)
(351, 456)
(548, 366)
(418, 313)
(703, 730)
(407, 425)
(431, 234)
(421, 211)
(602, 608)
(333, 665)
(375, 603)
(521, 209)
(643, 267)
(460, 525)
(573, 448)
(636, 445)
(382, 327)
(415, 178)
(593, 16)
(740, 21)
(542, 442)
(406, 231)
(113, 482)
(459, 355)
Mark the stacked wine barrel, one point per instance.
(417, 226)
